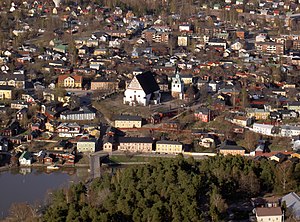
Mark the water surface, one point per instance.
(32, 185)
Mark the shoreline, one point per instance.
(40, 165)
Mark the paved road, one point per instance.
(95, 164)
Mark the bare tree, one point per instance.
(22, 212)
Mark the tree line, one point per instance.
(172, 190)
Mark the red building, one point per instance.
(203, 114)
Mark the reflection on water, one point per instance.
(31, 185)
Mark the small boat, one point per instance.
(53, 167)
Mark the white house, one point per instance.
(264, 129)
(142, 89)
(25, 159)
(269, 214)
(177, 86)
(260, 38)
(212, 86)
(68, 130)
(288, 131)
(236, 46)
(84, 113)
(184, 28)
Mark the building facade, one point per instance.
(83, 114)
(270, 48)
(203, 115)
(127, 121)
(135, 144)
(16, 80)
(68, 130)
(66, 81)
(169, 147)
(104, 85)
(87, 145)
(269, 214)
(6, 92)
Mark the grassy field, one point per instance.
(129, 159)
(113, 106)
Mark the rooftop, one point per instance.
(135, 140)
(268, 211)
(128, 118)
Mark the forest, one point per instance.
(173, 190)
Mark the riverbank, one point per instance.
(41, 165)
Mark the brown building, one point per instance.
(240, 34)
(152, 35)
(296, 44)
(135, 144)
(270, 48)
(104, 84)
(232, 150)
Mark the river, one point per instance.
(32, 185)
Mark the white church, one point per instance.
(142, 90)
(177, 86)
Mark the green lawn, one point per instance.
(129, 159)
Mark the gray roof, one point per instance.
(17, 77)
(231, 147)
(203, 110)
(135, 140)
(292, 201)
(6, 87)
(294, 103)
(109, 139)
(83, 110)
(90, 140)
(168, 142)
(129, 118)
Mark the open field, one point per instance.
(129, 159)
(114, 106)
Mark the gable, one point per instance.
(69, 79)
(134, 84)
